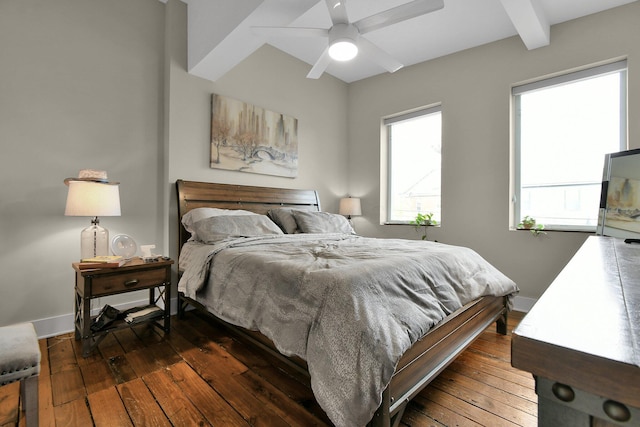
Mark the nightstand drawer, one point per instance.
(125, 282)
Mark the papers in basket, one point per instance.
(142, 314)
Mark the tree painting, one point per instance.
(248, 138)
(219, 135)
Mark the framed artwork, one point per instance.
(248, 138)
(619, 211)
(623, 204)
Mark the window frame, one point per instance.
(386, 123)
(618, 66)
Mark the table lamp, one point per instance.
(91, 194)
(350, 206)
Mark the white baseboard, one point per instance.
(57, 325)
(523, 304)
(52, 326)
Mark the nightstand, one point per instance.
(133, 276)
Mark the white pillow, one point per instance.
(215, 228)
(322, 222)
(194, 215)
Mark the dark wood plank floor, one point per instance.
(198, 376)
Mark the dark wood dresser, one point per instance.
(581, 340)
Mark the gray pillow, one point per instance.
(285, 220)
(215, 228)
(190, 218)
(322, 222)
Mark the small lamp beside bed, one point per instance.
(350, 206)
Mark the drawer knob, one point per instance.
(616, 411)
(130, 283)
(563, 392)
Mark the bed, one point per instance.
(409, 362)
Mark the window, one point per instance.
(563, 128)
(414, 164)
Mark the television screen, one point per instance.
(619, 214)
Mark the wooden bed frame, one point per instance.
(418, 366)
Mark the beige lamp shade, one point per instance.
(87, 198)
(350, 206)
(93, 199)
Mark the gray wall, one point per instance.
(474, 89)
(102, 84)
(80, 87)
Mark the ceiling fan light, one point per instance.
(343, 50)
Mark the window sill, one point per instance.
(406, 223)
(554, 229)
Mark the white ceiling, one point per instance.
(220, 32)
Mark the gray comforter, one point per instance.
(348, 305)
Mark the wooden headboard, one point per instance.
(192, 194)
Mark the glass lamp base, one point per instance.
(94, 241)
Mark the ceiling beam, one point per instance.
(220, 33)
(210, 23)
(530, 22)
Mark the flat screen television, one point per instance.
(619, 214)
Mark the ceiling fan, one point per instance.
(344, 37)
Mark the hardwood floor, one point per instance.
(198, 376)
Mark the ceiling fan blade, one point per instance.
(398, 14)
(290, 32)
(379, 56)
(338, 11)
(321, 64)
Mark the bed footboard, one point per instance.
(434, 352)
